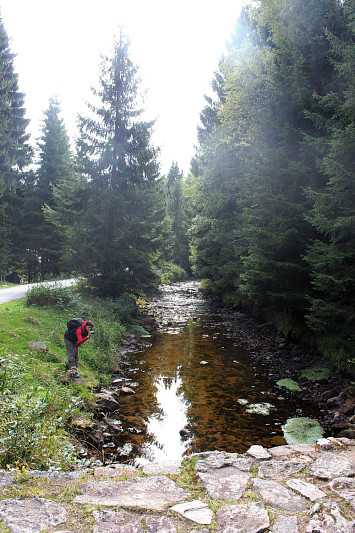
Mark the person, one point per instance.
(72, 339)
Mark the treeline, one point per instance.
(275, 172)
(266, 214)
(102, 211)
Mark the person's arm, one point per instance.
(81, 339)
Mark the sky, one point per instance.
(175, 44)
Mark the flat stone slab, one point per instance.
(154, 493)
(330, 520)
(330, 466)
(345, 487)
(54, 476)
(289, 449)
(116, 470)
(31, 515)
(285, 524)
(163, 467)
(196, 511)
(214, 460)
(279, 469)
(241, 518)
(227, 483)
(308, 490)
(259, 452)
(279, 496)
(124, 522)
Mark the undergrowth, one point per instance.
(38, 398)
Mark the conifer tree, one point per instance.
(121, 247)
(15, 152)
(55, 164)
(177, 212)
(331, 255)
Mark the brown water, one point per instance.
(194, 375)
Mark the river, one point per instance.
(198, 388)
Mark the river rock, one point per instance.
(38, 346)
(241, 518)
(308, 490)
(285, 524)
(6, 479)
(107, 402)
(214, 460)
(289, 449)
(330, 520)
(279, 469)
(259, 452)
(31, 515)
(196, 511)
(279, 496)
(330, 466)
(226, 483)
(345, 487)
(116, 470)
(124, 522)
(163, 467)
(126, 391)
(154, 493)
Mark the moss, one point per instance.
(289, 384)
(302, 431)
(316, 373)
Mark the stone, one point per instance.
(154, 493)
(345, 487)
(196, 511)
(54, 476)
(211, 460)
(116, 470)
(126, 390)
(259, 452)
(279, 469)
(107, 402)
(31, 515)
(285, 524)
(124, 522)
(279, 496)
(325, 444)
(330, 520)
(163, 467)
(226, 483)
(243, 518)
(330, 466)
(289, 449)
(308, 490)
(38, 346)
(6, 479)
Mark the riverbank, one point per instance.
(298, 489)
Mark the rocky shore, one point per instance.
(285, 489)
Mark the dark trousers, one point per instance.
(72, 353)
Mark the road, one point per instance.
(15, 293)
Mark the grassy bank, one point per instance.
(38, 397)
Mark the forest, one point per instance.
(265, 217)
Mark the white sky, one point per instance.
(176, 44)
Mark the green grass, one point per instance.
(38, 398)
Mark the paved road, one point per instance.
(15, 293)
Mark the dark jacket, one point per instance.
(77, 336)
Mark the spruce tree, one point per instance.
(177, 212)
(15, 152)
(55, 164)
(120, 249)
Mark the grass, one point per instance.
(38, 398)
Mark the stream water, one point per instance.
(198, 389)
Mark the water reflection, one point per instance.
(164, 426)
(199, 389)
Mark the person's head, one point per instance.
(89, 325)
